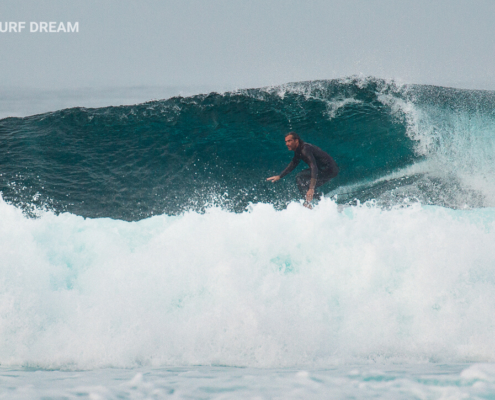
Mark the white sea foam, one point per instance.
(264, 288)
(458, 143)
(423, 381)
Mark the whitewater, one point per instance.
(144, 256)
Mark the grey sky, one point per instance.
(248, 43)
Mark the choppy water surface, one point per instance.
(140, 245)
(344, 382)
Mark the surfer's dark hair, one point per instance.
(294, 135)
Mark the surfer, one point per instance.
(321, 169)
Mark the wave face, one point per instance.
(391, 142)
(204, 263)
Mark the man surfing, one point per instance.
(321, 169)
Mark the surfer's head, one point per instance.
(292, 141)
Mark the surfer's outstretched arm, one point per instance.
(293, 164)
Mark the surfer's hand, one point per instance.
(273, 178)
(309, 195)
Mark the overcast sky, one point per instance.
(248, 43)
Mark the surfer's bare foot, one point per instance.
(308, 205)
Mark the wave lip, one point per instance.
(189, 153)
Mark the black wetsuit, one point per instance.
(321, 169)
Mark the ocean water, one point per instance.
(144, 255)
(434, 381)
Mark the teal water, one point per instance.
(143, 254)
(188, 153)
